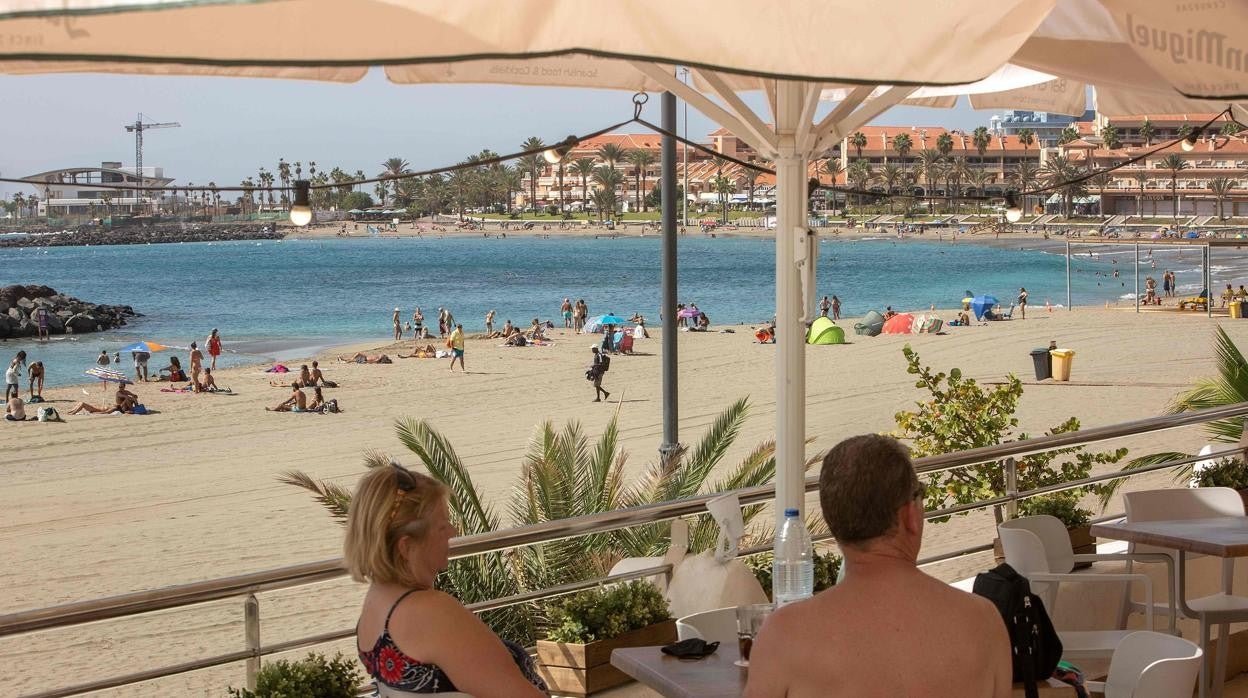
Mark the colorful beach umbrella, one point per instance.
(609, 320)
(148, 347)
(108, 375)
(691, 311)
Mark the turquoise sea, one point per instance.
(282, 299)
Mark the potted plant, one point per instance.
(827, 566)
(575, 659)
(1064, 506)
(1225, 472)
(314, 676)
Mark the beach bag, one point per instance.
(34, 400)
(605, 365)
(48, 414)
(331, 407)
(1035, 646)
(139, 409)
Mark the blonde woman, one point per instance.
(410, 636)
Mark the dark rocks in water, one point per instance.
(141, 234)
(65, 314)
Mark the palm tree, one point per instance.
(359, 176)
(392, 167)
(532, 165)
(1175, 163)
(751, 184)
(1026, 137)
(1058, 170)
(982, 139)
(944, 144)
(932, 164)
(903, 144)
(1024, 176)
(1221, 187)
(724, 187)
(608, 180)
(584, 168)
(1147, 132)
(890, 175)
(1110, 139)
(283, 173)
(958, 171)
(860, 176)
(858, 141)
(1070, 133)
(1229, 129)
(611, 154)
(979, 179)
(1184, 131)
(564, 474)
(1141, 178)
(1100, 180)
(640, 159)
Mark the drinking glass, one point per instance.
(750, 620)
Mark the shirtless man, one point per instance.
(197, 366)
(318, 378)
(398, 325)
(36, 378)
(873, 634)
(209, 384)
(297, 402)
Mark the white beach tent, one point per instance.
(1141, 57)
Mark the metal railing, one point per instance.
(248, 585)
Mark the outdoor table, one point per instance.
(1222, 536)
(717, 677)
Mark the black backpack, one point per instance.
(604, 363)
(1034, 643)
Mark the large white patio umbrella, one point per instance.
(792, 52)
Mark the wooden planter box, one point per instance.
(582, 670)
(1081, 542)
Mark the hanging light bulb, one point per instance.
(560, 150)
(1189, 144)
(1013, 211)
(301, 210)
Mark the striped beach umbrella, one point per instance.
(108, 375)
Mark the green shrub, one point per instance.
(827, 566)
(607, 612)
(313, 676)
(1062, 505)
(1225, 472)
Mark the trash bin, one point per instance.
(1043, 362)
(1062, 359)
(1236, 308)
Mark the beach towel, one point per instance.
(279, 368)
(175, 390)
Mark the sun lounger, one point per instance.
(1197, 303)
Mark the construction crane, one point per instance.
(138, 127)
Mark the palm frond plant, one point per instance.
(565, 474)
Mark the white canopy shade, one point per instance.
(1141, 52)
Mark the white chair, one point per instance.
(1150, 665)
(1038, 547)
(1222, 608)
(719, 625)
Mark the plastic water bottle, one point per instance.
(793, 571)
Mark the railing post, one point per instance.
(1011, 488)
(251, 624)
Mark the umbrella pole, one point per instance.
(1208, 281)
(1137, 277)
(1068, 308)
(671, 438)
(791, 203)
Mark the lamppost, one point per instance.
(684, 154)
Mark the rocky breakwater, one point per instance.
(154, 233)
(66, 315)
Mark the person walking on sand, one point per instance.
(13, 376)
(441, 323)
(398, 325)
(489, 322)
(566, 311)
(836, 308)
(450, 320)
(596, 370)
(825, 305)
(197, 366)
(214, 348)
(1022, 303)
(456, 343)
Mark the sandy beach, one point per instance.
(103, 505)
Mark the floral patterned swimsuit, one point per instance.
(390, 666)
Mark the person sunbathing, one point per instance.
(362, 358)
(174, 369)
(516, 340)
(297, 402)
(318, 400)
(305, 376)
(209, 383)
(318, 378)
(87, 407)
(425, 352)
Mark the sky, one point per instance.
(233, 126)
